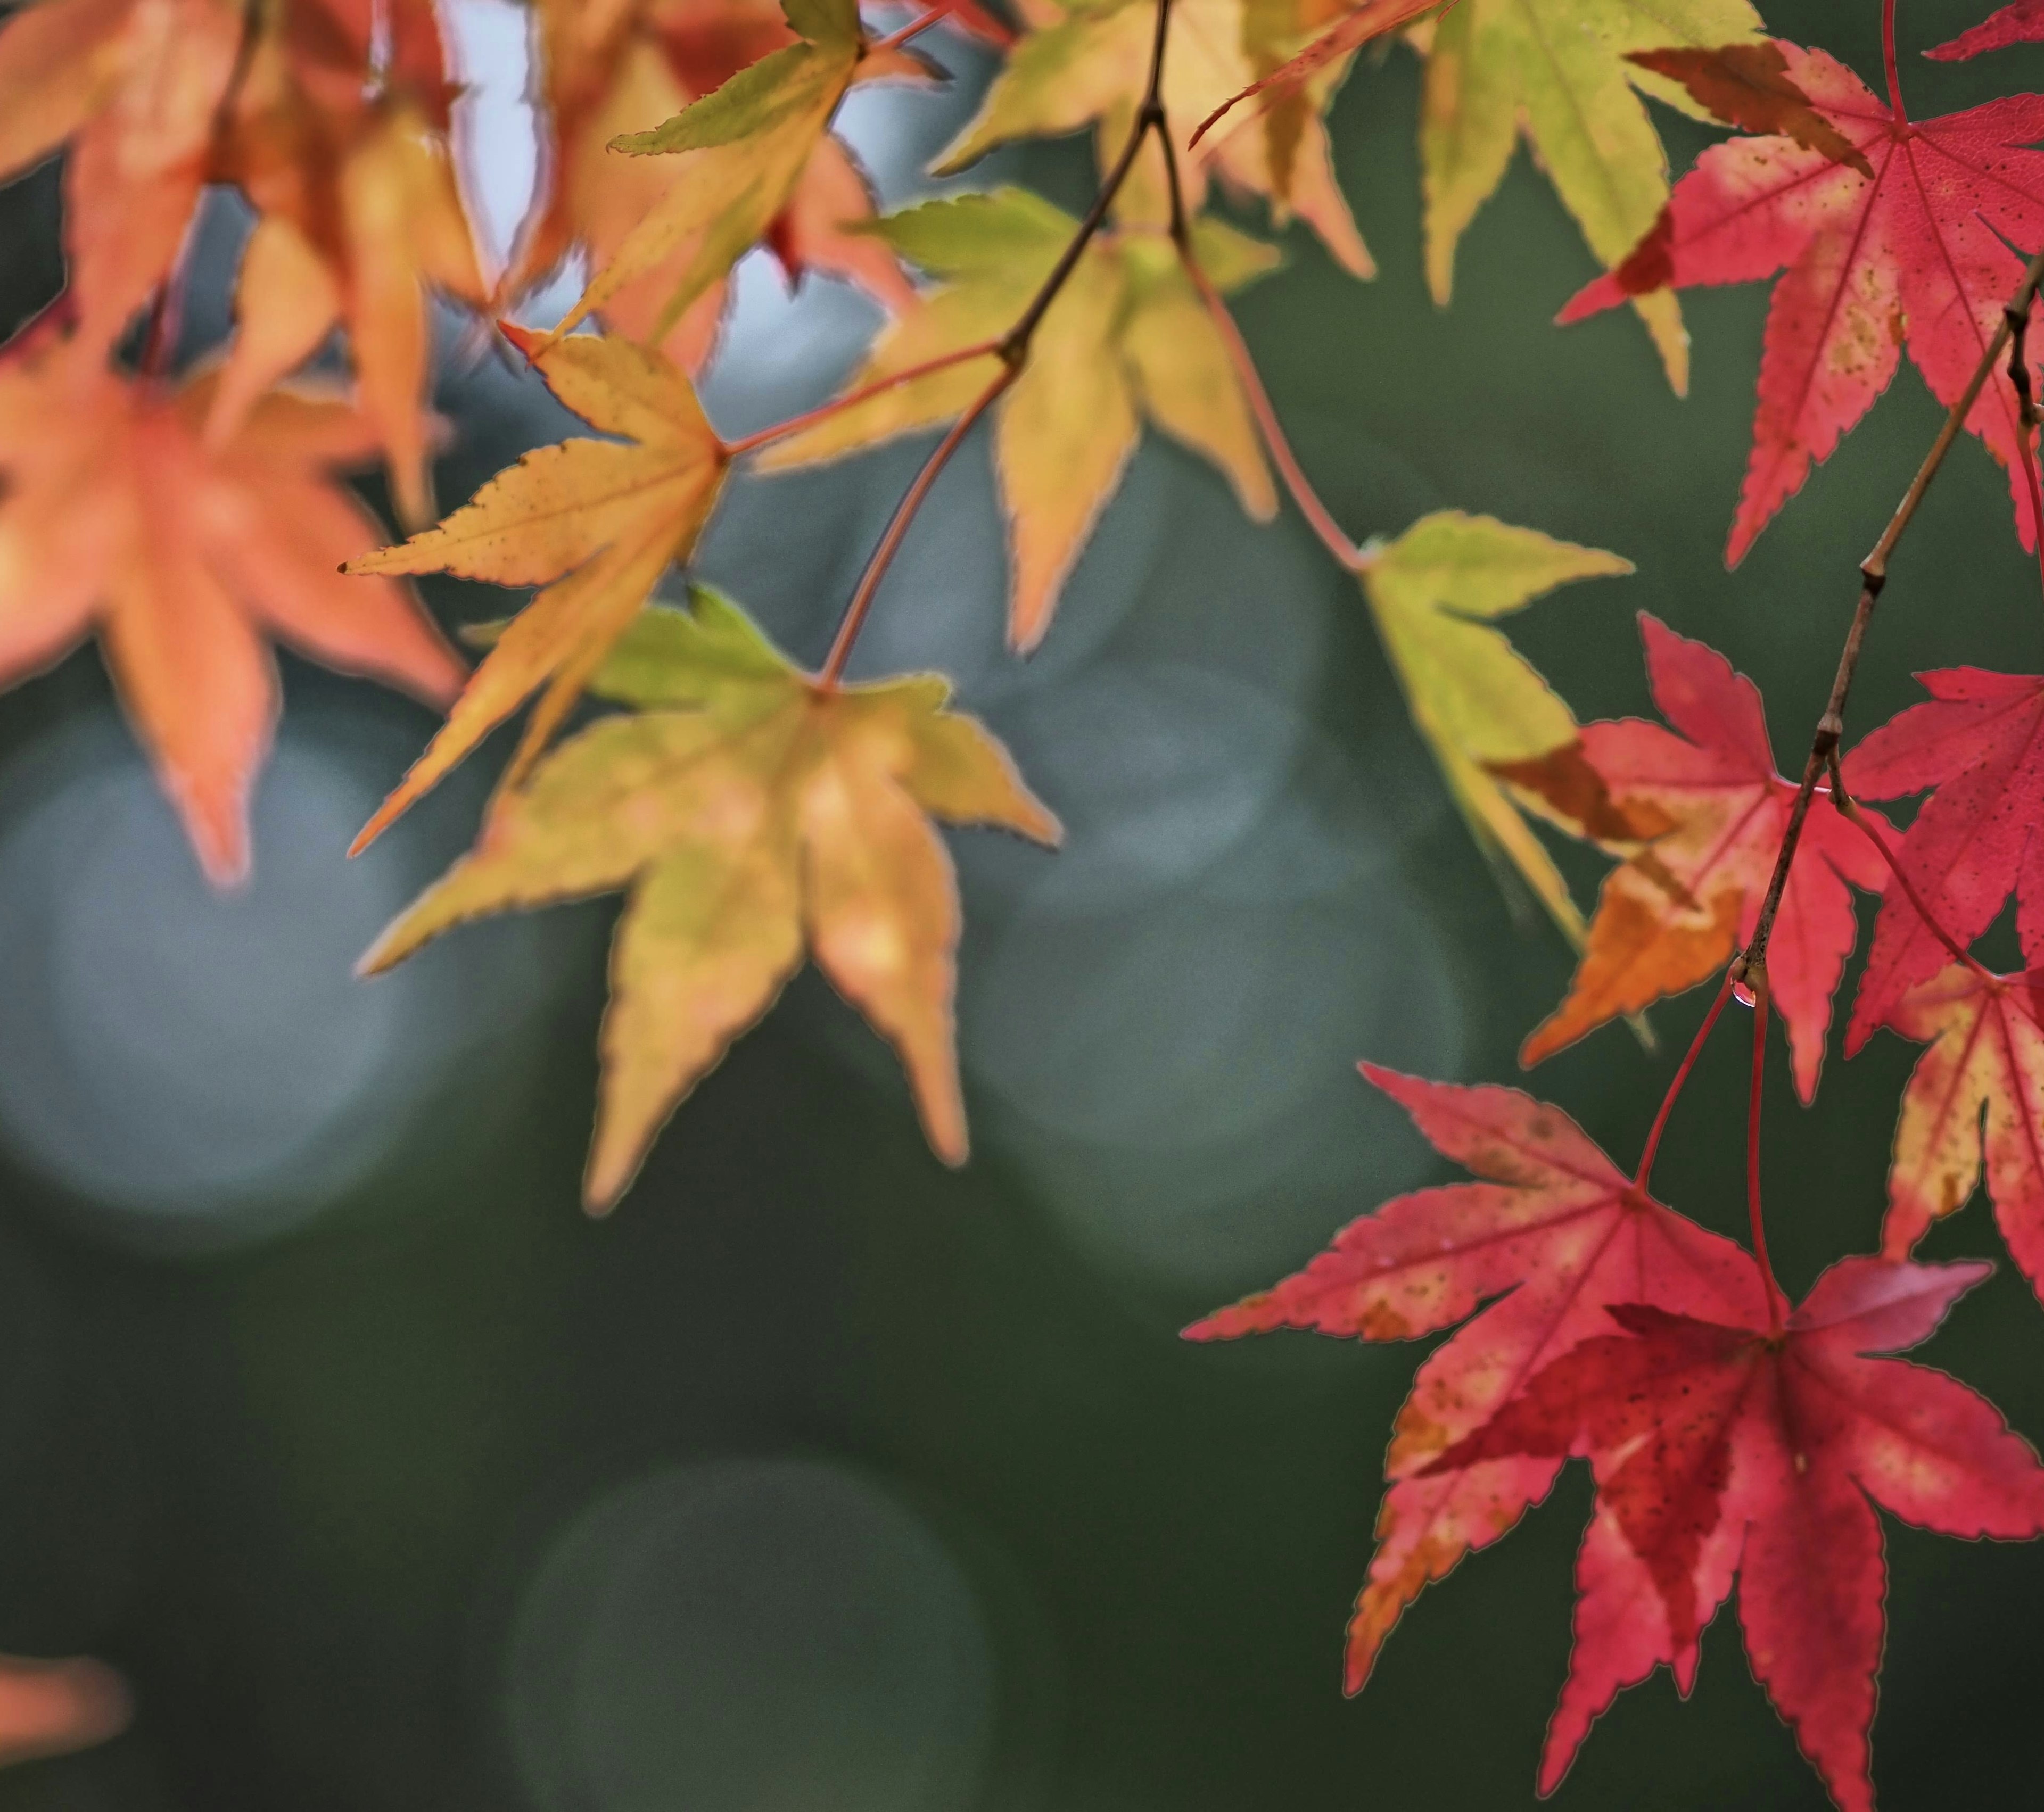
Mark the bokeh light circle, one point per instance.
(195, 1068)
(750, 1635)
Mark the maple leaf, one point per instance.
(359, 218)
(750, 811)
(740, 152)
(1724, 1449)
(1709, 807)
(1977, 1091)
(50, 1708)
(338, 136)
(1434, 592)
(1555, 1232)
(1918, 253)
(133, 85)
(1979, 742)
(1088, 64)
(1558, 70)
(119, 515)
(601, 520)
(611, 72)
(2020, 23)
(1127, 337)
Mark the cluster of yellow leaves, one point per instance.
(682, 134)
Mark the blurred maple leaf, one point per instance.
(1128, 335)
(601, 518)
(50, 1708)
(1751, 1450)
(330, 116)
(120, 514)
(1707, 809)
(751, 812)
(1555, 1232)
(1977, 1091)
(1558, 70)
(741, 157)
(1916, 254)
(610, 71)
(337, 136)
(134, 87)
(1434, 592)
(1090, 62)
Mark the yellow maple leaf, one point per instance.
(1126, 336)
(1090, 62)
(611, 72)
(1556, 71)
(602, 518)
(742, 149)
(1434, 592)
(752, 813)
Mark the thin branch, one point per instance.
(1013, 350)
(1873, 576)
(1644, 1174)
(904, 513)
(752, 442)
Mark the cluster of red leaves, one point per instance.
(1729, 1437)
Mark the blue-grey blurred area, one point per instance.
(819, 1478)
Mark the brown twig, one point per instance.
(1011, 348)
(1752, 960)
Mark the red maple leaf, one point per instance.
(2021, 23)
(1673, 914)
(1555, 1231)
(1976, 1093)
(1979, 745)
(1724, 1448)
(1918, 253)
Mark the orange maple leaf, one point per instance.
(120, 517)
(329, 115)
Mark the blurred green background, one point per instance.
(821, 1477)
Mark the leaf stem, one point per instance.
(794, 425)
(1754, 1215)
(904, 513)
(1872, 832)
(1644, 1174)
(1319, 517)
(914, 28)
(1873, 576)
(1011, 348)
(1888, 58)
